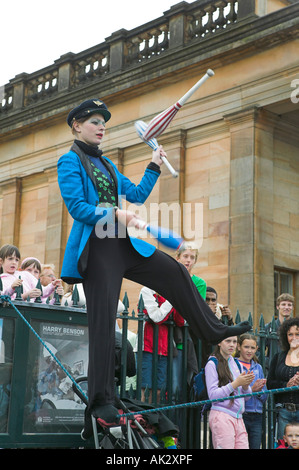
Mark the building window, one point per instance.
(284, 282)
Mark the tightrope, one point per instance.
(207, 402)
(6, 298)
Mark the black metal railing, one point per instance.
(193, 421)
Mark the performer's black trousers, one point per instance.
(109, 261)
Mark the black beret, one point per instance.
(88, 107)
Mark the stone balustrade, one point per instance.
(182, 24)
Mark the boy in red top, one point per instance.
(158, 311)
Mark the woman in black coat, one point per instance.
(284, 373)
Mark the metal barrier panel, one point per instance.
(37, 405)
(51, 406)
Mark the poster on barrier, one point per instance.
(52, 405)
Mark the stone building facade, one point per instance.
(235, 143)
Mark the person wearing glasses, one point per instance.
(222, 312)
(47, 275)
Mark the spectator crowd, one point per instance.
(232, 368)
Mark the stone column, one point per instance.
(177, 16)
(247, 9)
(117, 50)
(10, 222)
(251, 255)
(65, 71)
(56, 223)
(19, 83)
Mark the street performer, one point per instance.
(100, 252)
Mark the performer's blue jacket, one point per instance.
(81, 199)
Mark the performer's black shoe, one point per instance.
(87, 431)
(235, 330)
(106, 415)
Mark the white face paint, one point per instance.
(96, 121)
(92, 130)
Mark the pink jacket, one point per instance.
(29, 282)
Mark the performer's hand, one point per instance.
(127, 218)
(157, 154)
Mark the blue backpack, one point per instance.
(199, 381)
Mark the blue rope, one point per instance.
(207, 402)
(6, 298)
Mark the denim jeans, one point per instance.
(147, 370)
(253, 424)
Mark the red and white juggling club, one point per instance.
(140, 127)
(167, 237)
(159, 123)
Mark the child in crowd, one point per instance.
(11, 277)
(157, 310)
(27, 277)
(187, 255)
(33, 266)
(223, 380)
(291, 437)
(246, 353)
